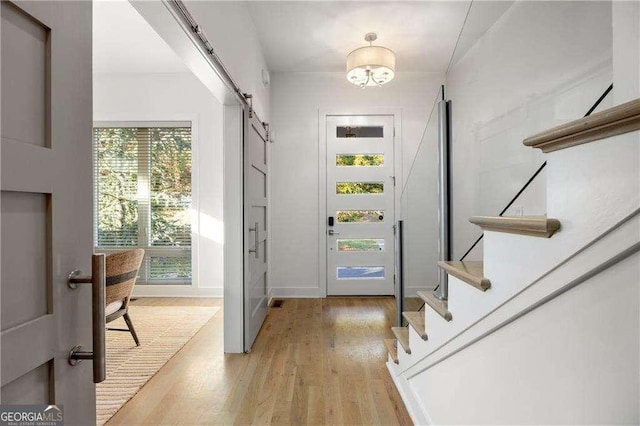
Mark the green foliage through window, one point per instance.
(360, 160)
(359, 188)
(143, 196)
(370, 216)
(361, 245)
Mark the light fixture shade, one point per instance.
(371, 66)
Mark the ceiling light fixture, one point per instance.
(371, 65)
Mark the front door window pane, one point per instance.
(346, 188)
(360, 272)
(367, 244)
(359, 160)
(360, 216)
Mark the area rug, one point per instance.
(163, 331)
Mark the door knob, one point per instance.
(332, 232)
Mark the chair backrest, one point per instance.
(122, 270)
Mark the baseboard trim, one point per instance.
(297, 292)
(175, 291)
(417, 413)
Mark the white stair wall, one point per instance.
(476, 313)
(559, 364)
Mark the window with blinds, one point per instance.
(142, 191)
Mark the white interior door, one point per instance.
(46, 204)
(256, 172)
(360, 205)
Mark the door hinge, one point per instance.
(394, 180)
(394, 132)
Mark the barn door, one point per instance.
(256, 172)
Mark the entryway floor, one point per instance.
(315, 361)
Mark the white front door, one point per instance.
(256, 172)
(46, 204)
(360, 205)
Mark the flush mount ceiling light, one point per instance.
(371, 65)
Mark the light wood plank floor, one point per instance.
(315, 361)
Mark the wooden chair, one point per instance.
(122, 270)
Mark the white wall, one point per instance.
(229, 27)
(574, 360)
(179, 96)
(296, 100)
(540, 65)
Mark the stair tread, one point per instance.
(536, 226)
(440, 306)
(416, 320)
(402, 335)
(471, 272)
(391, 347)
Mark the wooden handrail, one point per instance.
(611, 122)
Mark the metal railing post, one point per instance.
(444, 194)
(399, 269)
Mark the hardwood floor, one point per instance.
(315, 361)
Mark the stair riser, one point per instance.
(419, 348)
(468, 303)
(513, 261)
(405, 358)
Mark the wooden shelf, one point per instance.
(620, 119)
(471, 272)
(391, 347)
(535, 226)
(440, 306)
(416, 320)
(402, 335)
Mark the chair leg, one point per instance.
(131, 329)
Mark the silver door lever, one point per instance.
(332, 232)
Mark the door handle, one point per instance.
(98, 290)
(332, 232)
(256, 240)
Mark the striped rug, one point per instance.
(163, 331)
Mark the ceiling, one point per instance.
(307, 36)
(303, 36)
(123, 42)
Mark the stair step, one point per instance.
(535, 226)
(471, 272)
(391, 347)
(402, 334)
(440, 306)
(416, 320)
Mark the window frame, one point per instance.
(144, 205)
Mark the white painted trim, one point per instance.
(233, 231)
(270, 297)
(298, 292)
(416, 411)
(322, 202)
(322, 177)
(176, 291)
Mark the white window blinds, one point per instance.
(142, 190)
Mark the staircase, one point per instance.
(515, 330)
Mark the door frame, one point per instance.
(322, 177)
